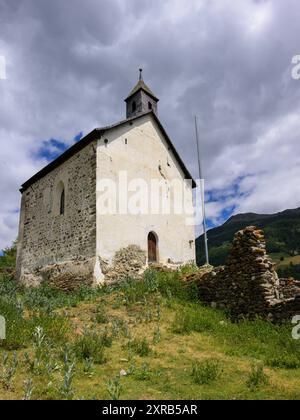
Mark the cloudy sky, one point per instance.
(70, 64)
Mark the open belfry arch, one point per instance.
(65, 238)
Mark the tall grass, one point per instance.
(206, 372)
(14, 300)
(18, 330)
(258, 339)
(91, 345)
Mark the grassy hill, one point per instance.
(146, 339)
(282, 232)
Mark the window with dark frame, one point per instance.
(62, 203)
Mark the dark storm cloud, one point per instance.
(70, 65)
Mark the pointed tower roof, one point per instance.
(141, 85)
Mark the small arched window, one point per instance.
(150, 106)
(133, 106)
(59, 199)
(62, 203)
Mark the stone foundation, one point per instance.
(128, 262)
(66, 276)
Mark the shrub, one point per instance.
(157, 335)
(18, 330)
(195, 318)
(120, 327)
(106, 338)
(151, 280)
(55, 327)
(133, 291)
(8, 259)
(45, 297)
(86, 293)
(257, 377)
(88, 367)
(90, 346)
(188, 269)
(28, 389)
(114, 388)
(9, 287)
(170, 285)
(284, 361)
(140, 347)
(143, 373)
(206, 372)
(66, 389)
(9, 368)
(49, 298)
(101, 316)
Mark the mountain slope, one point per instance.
(282, 232)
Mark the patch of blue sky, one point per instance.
(231, 192)
(78, 137)
(224, 215)
(53, 148)
(227, 199)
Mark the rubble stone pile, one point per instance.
(128, 262)
(248, 284)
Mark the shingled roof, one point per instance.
(96, 134)
(141, 85)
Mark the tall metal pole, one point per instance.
(202, 193)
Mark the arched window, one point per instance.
(133, 106)
(62, 203)
(150, 106)
(59, 202)
(152, 248)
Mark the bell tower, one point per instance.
(141, 99)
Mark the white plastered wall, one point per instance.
(140, 150)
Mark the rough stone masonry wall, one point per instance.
(128, 262)
(54, 247)
(248, 284)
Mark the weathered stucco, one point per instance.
(48, 239)
(140, 150)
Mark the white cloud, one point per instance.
(69, 68)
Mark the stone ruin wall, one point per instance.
(58, 248)
(248, 284)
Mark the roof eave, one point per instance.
(176, 154)
(93, 135)
(61, 159)
(144, 90)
